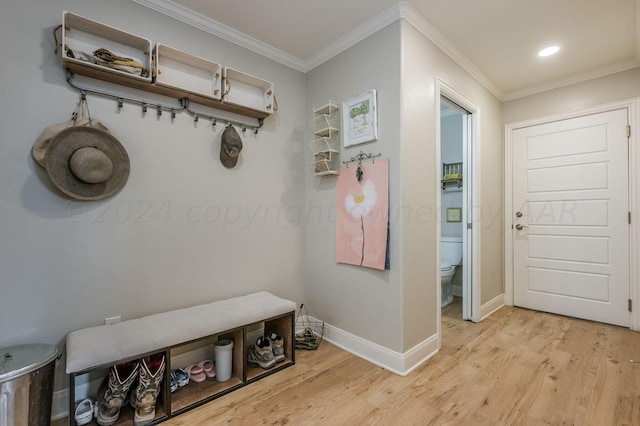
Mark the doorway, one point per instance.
(453, 182)
(456, 199)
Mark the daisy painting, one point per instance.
(362, 213)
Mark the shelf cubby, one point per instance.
(284, 326)
(81, 37)
(247, 91)
(178, 70)
(194, 393)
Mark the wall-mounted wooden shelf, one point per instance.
(451, 176)
(166, 71)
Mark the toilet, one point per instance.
(451, 256)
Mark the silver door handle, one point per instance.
(521, 227)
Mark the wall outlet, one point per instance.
(112, 320)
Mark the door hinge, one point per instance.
(629, 304)
(628, 131)
(629, 218)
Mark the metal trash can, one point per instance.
(26, 384)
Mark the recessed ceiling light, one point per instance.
(548, 51)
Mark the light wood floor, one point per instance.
(517, 367)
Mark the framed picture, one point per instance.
(359, 115)
(454, 214)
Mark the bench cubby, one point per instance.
(194, 394)
(284, 325)
(185, 336)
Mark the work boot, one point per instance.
(143, 398)
(113, 391)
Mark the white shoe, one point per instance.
(84, 412)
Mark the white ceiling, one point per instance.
(495, 40)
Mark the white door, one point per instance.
(570, 199)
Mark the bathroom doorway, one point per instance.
(457, 239)
(452, 183)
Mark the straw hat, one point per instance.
(41, 144)
(85, 163)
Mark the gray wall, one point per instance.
(183, 231)
(397, 309)
(422, 64)
(364, 302)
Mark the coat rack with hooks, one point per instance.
(99, 51)
(160, 108)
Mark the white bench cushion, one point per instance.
(106, 344)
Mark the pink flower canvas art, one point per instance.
(362, 214)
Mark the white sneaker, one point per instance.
(84, 412)
(261, 354)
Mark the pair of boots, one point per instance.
(113, 390)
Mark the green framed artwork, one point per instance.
(360, 119)
(454, 214)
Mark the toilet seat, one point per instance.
(446, 269)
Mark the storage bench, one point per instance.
(172, 333)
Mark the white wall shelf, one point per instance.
(181, 71)
(81, 37)
(164, 70)
(246, 91)
(325, 147)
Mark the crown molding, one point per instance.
(369, 28)
(602, 72)
(176, 11)
(401, 10)
(420, 23)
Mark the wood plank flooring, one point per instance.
(518, 367)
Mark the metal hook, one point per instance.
(159, 111)
(120, 103)
(195, 119)
(144, 109)
(173, 114)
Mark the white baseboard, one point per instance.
(396, 362)
(491, 306)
